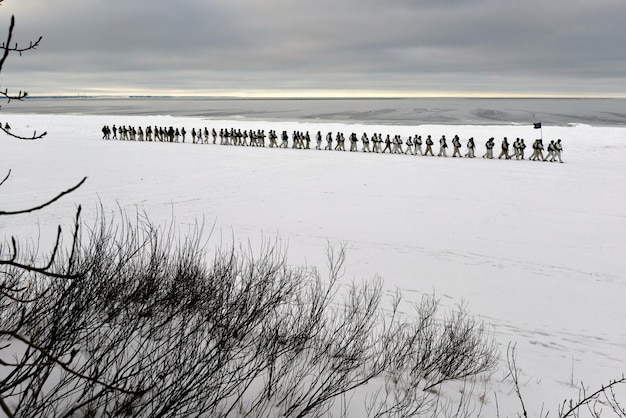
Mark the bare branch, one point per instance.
(6, 178)
(64, 365)
(43, 205)
(590, 398)
(5, 408)
(34, 136)
(7, 48)
(8, 42)
(511, 359)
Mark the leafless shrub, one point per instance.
(129, 320)
(594, 403)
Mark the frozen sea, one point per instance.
(433, 111)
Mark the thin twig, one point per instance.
(6, 178)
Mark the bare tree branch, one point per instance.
(6, 178)
(7, 48)
(34, 136)
(48, 203)
(574, 407)
(5, 408)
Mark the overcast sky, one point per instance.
(313, 47)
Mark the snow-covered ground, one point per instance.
(538, 250)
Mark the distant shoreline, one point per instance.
(134, 97)
(610, 112)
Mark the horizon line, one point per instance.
(313, 97)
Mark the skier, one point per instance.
(318, 140)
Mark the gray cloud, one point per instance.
(204, 46)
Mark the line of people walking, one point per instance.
(414, 145)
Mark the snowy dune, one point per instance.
(535, 249)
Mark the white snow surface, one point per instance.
(536, 249)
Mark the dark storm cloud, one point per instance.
(560, 46)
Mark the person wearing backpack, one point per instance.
(366, 142)
(418, 145)
(558, 149)
(429, 146)
(538, 150)
(505, 149)
(470, 148)
(442, 146)
(489, 145)
(409, 145)
(387, 144)
(456, 142)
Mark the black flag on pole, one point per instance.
(537, 125)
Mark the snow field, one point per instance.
(535, 249)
